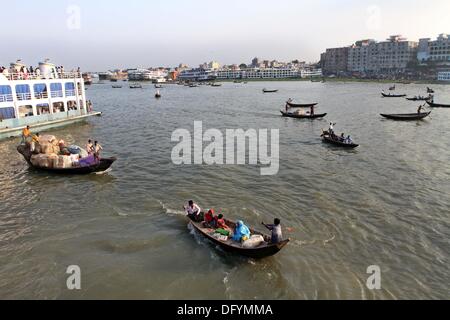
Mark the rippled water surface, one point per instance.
(385, 203)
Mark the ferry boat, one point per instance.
(198, 75)
(44, 99)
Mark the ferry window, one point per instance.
(5, 94)
(25, 111)
(58, 107)
(23, 92)
(70, 89)
(43, 109)
(56, 89)
(7, 113)
(40, 91)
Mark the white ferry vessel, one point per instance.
(44, 99)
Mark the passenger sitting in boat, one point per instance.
(241, 232)
(342, 138)
(277, 235)
(193, 211)
(210, 221)
(349, 140)
(312, 111)
(221, 224)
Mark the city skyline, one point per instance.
(108, 34)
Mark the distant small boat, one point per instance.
(216, 85)
(407, 116)
(117, 87)
(269, 91)
(193, 85)
(158, 86)
(135, 86)
(237, 81)
(438, 105)
(303, 116)
(392, 88)
(393, 95)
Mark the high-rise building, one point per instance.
(358, 56)
(437, 50)
(335, 60)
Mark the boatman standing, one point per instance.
(26, 133)
(277, 234)
(193, 211)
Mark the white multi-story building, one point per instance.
(258, 73)
(437, 50)
(359, 56)
(444, 76)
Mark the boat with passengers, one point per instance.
(45, 98)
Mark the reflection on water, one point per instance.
(385, 203)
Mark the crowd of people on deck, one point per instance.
(25, 73)
(239, 233)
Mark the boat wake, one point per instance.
(170, 211)
(299, 243)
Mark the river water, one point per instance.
(385, 203)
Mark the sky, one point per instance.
(98, 35)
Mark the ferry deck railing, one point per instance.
(6, 98)
(36, 76)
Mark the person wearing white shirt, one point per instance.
(193, 211)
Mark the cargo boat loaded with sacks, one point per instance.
(48, 156)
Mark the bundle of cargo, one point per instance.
(44, 160)
(48, 145)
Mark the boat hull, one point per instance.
(306, 105)
(102, 166)
(328, 140)
(406, 117)
(437, 105)
(393, 95)
(316, 116)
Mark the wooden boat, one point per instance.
(407, 116)
(393, 95)
(103, 165)
(438, 105)
(306, 105)
(326, 138)
(303, 116)
(117, 87)
(158, 86)
(419, 99)
(263, 251)
(216, 85)
(269, 91)
(392, 88)
(135, 86)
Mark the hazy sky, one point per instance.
(129, 33)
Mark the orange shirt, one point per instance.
(26, 132)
